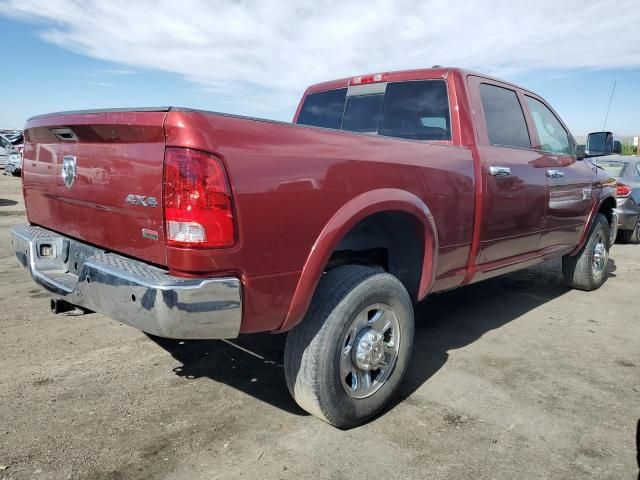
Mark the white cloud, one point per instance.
(260, 55)
(119, 71)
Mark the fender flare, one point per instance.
(355, 210)
(606, 192)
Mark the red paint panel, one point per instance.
(289, 181)
(117, 154)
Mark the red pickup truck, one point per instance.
(385, 188)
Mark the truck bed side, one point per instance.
(289, 181)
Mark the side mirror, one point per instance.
(600, 143)
(581, 150)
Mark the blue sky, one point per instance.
(257, 59)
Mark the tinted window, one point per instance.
(362, 113)
(504, 117)
(323, 109)
(416, 110)
(551, 134)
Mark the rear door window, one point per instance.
(504, 117)
(417, 110)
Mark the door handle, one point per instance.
(555, 173)
(499, 171)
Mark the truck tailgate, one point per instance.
(115, 199)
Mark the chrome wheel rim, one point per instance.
(599, 255)
(369, 350)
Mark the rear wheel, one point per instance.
(346, 359)
(587, 270)
(632, 236)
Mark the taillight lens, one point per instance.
(623, 190)
(198, 208)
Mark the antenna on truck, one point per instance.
(610, 99)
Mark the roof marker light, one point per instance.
(374, 78)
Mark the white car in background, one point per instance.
(11, 147)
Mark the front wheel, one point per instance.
(587, 270)
(346, 359)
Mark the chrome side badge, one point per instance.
(69, 172)
(141, 200)
(586, 193)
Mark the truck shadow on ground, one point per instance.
(446, 321)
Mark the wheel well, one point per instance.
(607, 208)
(392, 240)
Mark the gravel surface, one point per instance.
(516, 377)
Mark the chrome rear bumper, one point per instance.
(133, 292)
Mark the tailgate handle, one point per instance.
(65, 134)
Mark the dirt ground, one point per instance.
(516, 377)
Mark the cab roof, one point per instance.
(433, 73)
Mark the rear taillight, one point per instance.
(622, 190)
(198, 210)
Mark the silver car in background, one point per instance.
(5, 147)
(13, 165)
(626, 171)
(11, 148)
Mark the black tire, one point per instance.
(632, 236)
(579, 270)
(313, 349)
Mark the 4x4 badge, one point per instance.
(141, 200)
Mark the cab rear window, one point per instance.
(417, 110)
(323, 109)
